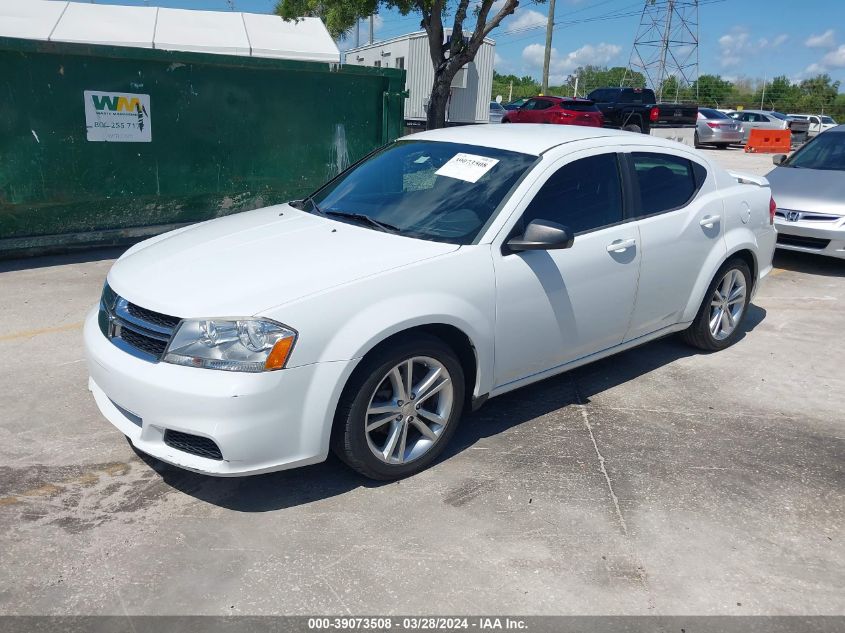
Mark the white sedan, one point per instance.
(444, 269)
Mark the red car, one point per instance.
(563, 110)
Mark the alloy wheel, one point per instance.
(409, 410)
(727, 304)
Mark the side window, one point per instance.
(666, 182)
(542, 104)
(529, 105)
(583, 195)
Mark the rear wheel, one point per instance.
(633, 127)
(718, 323)
(400, 408)
(697, 141)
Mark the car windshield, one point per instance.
(826, 151)
(430, 190)
(828, 121)
(778, 115)
(712, 114)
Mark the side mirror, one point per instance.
(777, 159)
(542, 235)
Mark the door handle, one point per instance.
(617, 246)
(709, 220)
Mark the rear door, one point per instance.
(680, 216)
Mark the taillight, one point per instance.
(654, 114)
(714, 126)
(772, 208)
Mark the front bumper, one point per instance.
(812, 236)
(260, 422)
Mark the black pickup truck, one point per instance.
(637, 110)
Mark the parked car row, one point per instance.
(637, 110)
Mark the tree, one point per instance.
(448, 55)
(713, 90)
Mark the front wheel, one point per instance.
(718, 323)
(400, 408)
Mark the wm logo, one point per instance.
(116, 103)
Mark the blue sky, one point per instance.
(738, 38)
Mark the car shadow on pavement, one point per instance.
(72, 257)
(577, 386)
(276, 491)
(809, 263)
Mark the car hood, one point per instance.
(244, 264)
(816, 190)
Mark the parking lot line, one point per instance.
(46, 330)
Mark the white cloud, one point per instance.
(599, 54)
(825, 40)
(737, 45)
(835, 58)
(524, 19)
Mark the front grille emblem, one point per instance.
(793, 216)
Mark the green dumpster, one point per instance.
(106, 144)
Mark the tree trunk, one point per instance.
(439, 99)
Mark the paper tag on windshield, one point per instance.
(468, 167)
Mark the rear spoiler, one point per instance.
(749, 179)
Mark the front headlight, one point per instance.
(251, 345)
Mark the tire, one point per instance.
(696, 142)
(700, 333)
(362, 429)
(633, 127)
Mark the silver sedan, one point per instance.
(716, 128)
(809, 189)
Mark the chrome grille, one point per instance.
(808, 216)
(136, 330)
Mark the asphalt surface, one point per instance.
(660, 481)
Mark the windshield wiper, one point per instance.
(300, 204)
(360, 217)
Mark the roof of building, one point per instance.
(220, 32)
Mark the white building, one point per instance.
(469, 101)
(221, 32)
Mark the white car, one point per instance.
(818, 122)
(447, 268)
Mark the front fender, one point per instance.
(344, 323)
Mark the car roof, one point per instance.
(526, 138)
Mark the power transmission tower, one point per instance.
(666, 47)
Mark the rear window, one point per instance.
(637, 96)
(578, 106)
(665, 182)
(710, 113)
(778, 115)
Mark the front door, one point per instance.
(553, 307)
